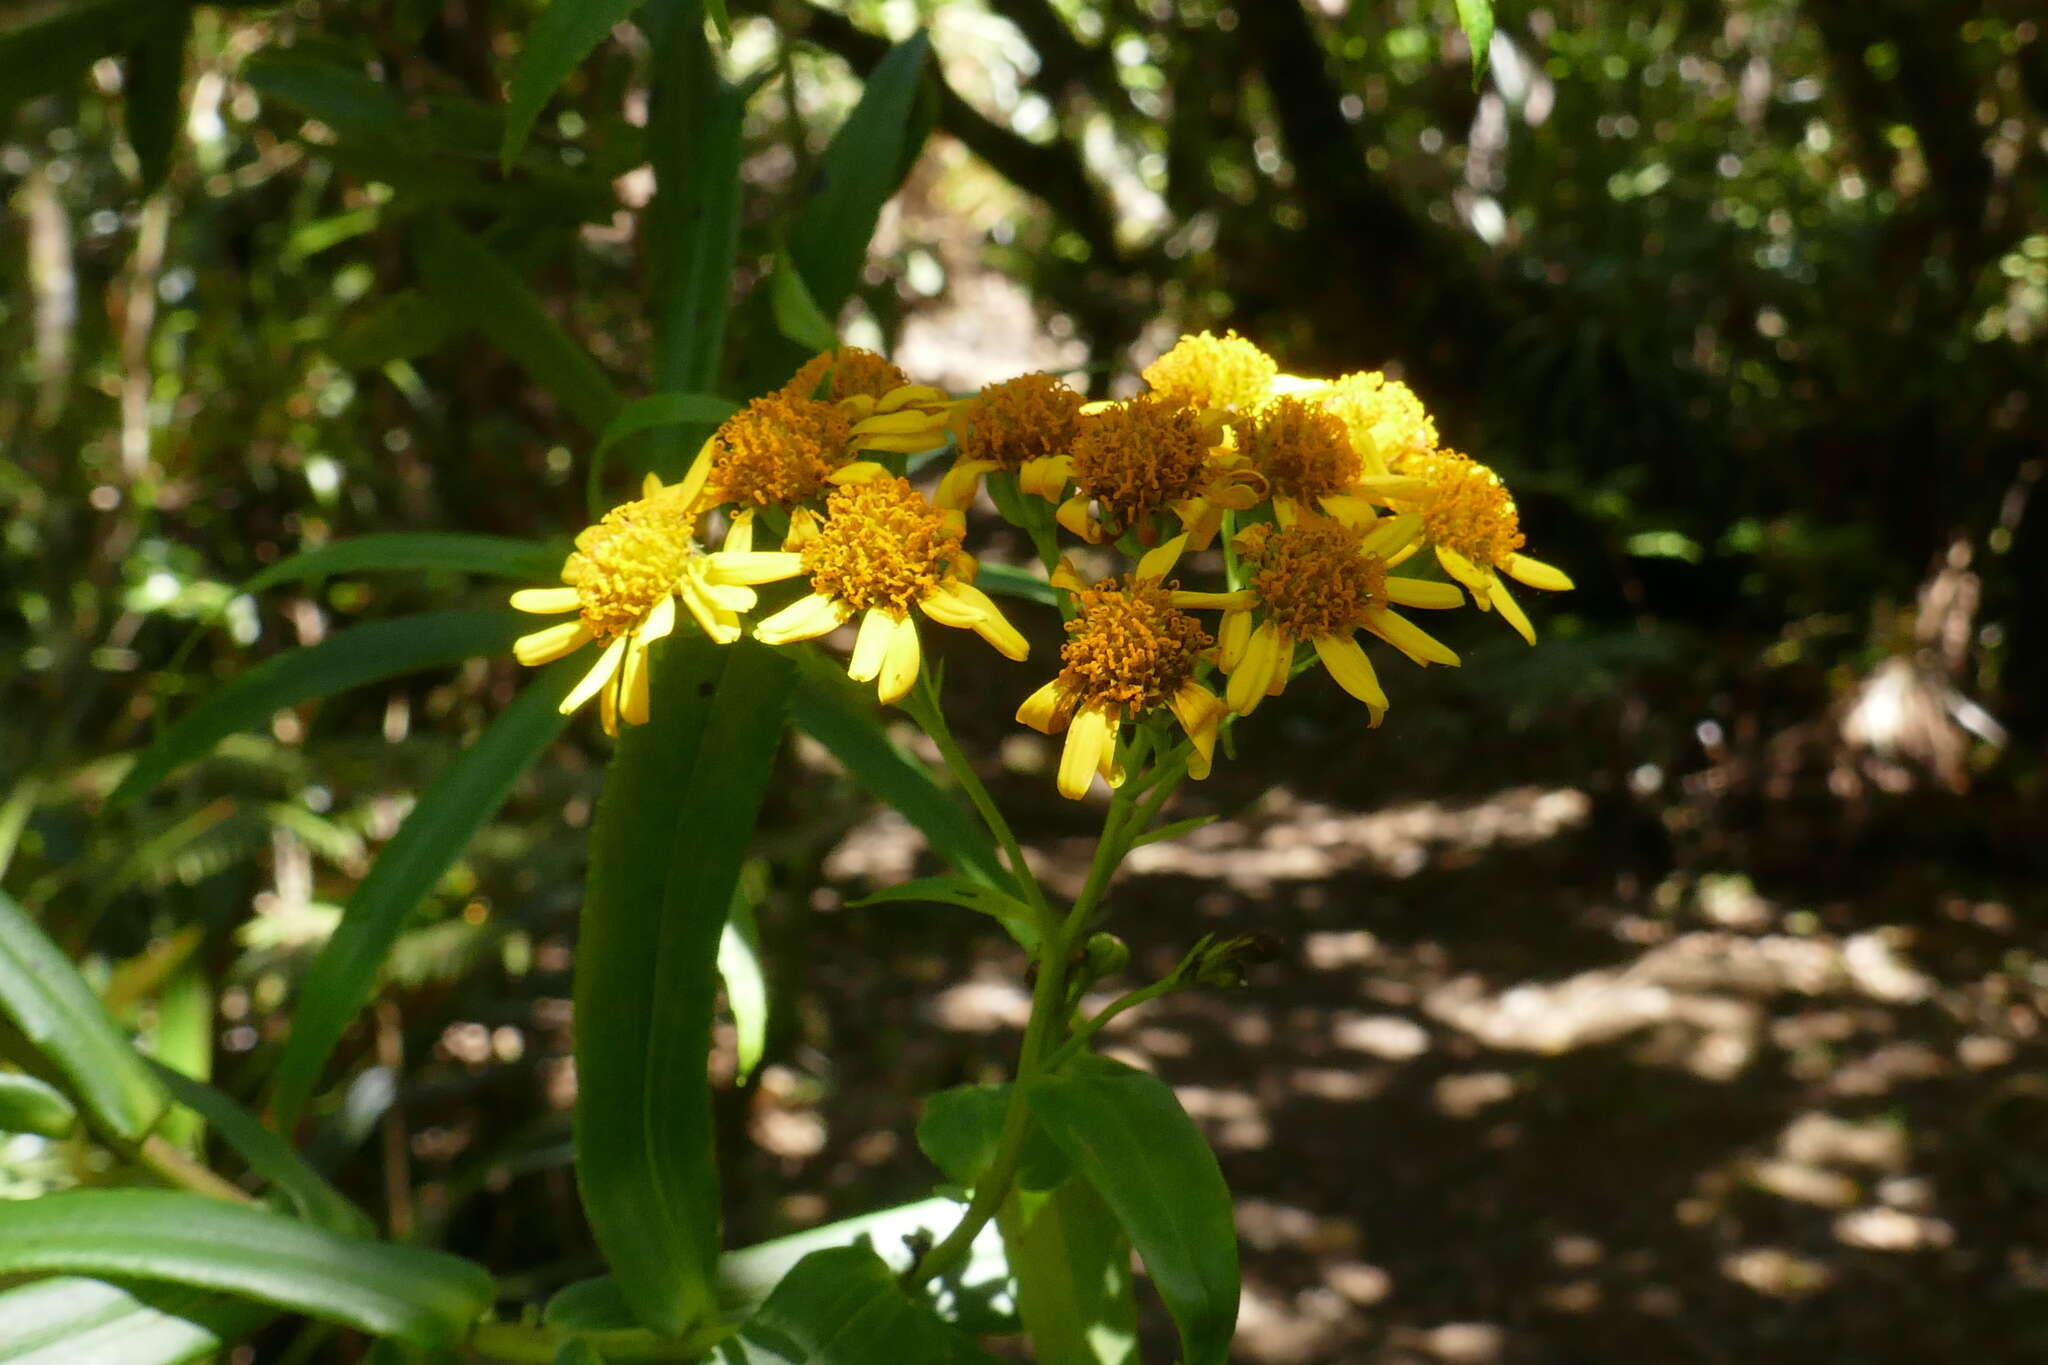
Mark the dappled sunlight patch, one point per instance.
(1286, 839)
(1386, 1036)
(1467, 1096)
(1879, 1228)
(1233, 1120)
(1305, 1328)
(1778, 1273)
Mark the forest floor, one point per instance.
(1596, 1034)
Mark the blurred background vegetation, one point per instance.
(1662, 993)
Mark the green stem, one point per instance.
(925, 710)
(1048, 1008)
(181, 1170)
(1080, 1036)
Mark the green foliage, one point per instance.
(423, 1297)
(845, 1307)
(665, 856)
(69, 1321)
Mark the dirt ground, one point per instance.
(1597, 1033)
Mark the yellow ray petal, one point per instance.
(1411, 639)
(546, 646)
(1046, 477)
(718, 621)
(600, 673)
(1213, 601)
(1511, 611)
(893, 423)
(691, 489)
(1158, 561)
(804, 619)
(860, 471)
(803, 525)
(1477, 581)
(1089, 736)
(1348, 510)
(922, 394)
(1234, 635)
(1065, 575)
(1424, 593)
(900, 661)
(1537, 574)
(1352, 670)
(633, 690)
(975, 610)
(755, 566)
(1390, 536)
(1199, 712)
(545, 601)
(608, 709)
(960, 483)
(731, 597)
(739, 536)
(1253, 676)
(909, 444)
(871, 645)
(661, 619)
(1041, 710)
(1073, 514)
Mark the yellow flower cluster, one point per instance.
(1318, 489)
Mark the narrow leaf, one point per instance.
(462, 800)
(27, 1105)
(797, 315)
(421, 552)
(269, 1156)
(1476, 18)
(697, 410)
(346, 659)
(345, 98)
(153, 77)
(678, 807)
(1129, 1136)
(746, 986)
(830, 711)
(1011, 581)
(477, 286)
(403, 325)
(748, 1276)
(1005, 909)
(423, 1297)
(857, 173)
(845, 1307)
(566, 32)
(68, 1321)
(46, 998)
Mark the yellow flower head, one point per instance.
(843, 373)
(622, 581)
(1131, 648)
(1386, 421)
(883, 549)
(1302, 450)
(1225, 372)
(1468, 514)
(778, 451)
(1137, 460)
(1318, 582)
(1019, 426)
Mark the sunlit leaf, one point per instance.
(424, 1297)
(49, 1002)
(1476, 18)
(1127, 1134)
(346, 659)
(524, 561)
(672, 827)
(845, 1307)
(1005, 909)
(797, 314)
(1073, 1269)
(28, 1105)
(746, 987)
(69, 1321)
(559, 40)
(462, 800)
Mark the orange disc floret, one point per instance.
(1467, 509)
(626, 563)
(1139, 457)
(778, 451)
(883, 545)
(1021, 419)
(1129, 649)
(1302, 450)
(1314, 580)
(845, 372)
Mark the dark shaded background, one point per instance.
(1669, 992)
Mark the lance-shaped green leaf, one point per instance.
(49, 1002)
(346, 659)
(345, 98)
(838, 716)
(1015, 916)
(1127, 1134)
(70, 1321)
(423, 1297)
(153, 75)
(672, 827)
(694, 410)
(269, 1156)
(845, 1307)
(1073, 1268)
(746, 985)
(477, 286)
(418, 552)
(860, 168)
(1011, 581)
(28, 1105)
(562, 37)
(1476, 18)
(797, 315)
(462, 800)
